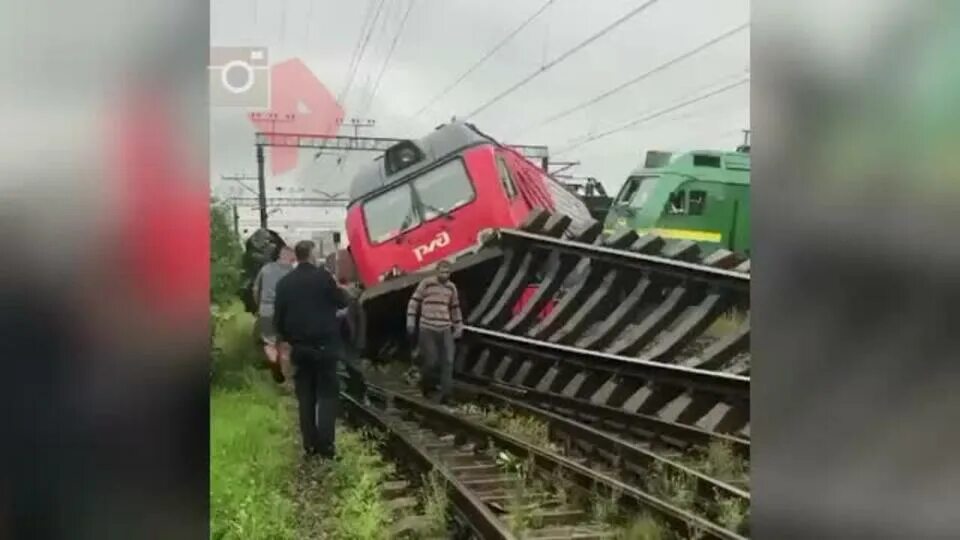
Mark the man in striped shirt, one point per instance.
(438, 306)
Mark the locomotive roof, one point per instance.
(737, 163)
(443, 141)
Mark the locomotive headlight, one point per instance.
(486, 236)
(392, 273)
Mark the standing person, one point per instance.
(437, 303)
(349, 332)
(264, 292)
(307, 302)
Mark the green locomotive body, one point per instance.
(703, 196)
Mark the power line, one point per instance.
(654, 115)
(366, 33)
(393, 45)
(362, 50)
(490, 53)
(632, 13)
(639, 78)
(356, 48)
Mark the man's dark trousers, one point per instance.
(356, 385)
(317, 387)
(436, 356)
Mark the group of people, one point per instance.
(306, 333)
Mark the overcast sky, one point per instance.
(442, 38)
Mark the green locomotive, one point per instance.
(703, 196)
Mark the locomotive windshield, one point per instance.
(637, 191)
(429, 195)
(390, 213)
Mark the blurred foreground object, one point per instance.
(104, 314)
(856, 204)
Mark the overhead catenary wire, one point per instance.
(370, 29)
(354, 56)
(359, 57)
(386, 62)
(693, 52)
(556, 61)
(356, 47)
(654, 115)
(485, 57)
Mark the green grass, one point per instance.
(353, 506)
(260, 487)
(253, 459)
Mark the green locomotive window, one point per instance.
(677, 203)
(637, 191)
(697, 203)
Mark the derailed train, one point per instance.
(436, 198)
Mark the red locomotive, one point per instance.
(433, 198)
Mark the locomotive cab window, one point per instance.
(629, 188)
(677, 203)
(390, 213)
(433, 193)
(637, 191)
(506, 179)
(443, 189)
(697, 203)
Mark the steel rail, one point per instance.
(723, 384)
(729, 279)
(475, 512)
(623, 451)
(625, 494)
(672, 433)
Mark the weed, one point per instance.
(720, 461)
(234, 351)
(727, 323)
(676, 487)
(520, 505)
(731, 512)
(358, 473)
(605, 509)
(522, 426)
(436, 504)
(644, 527)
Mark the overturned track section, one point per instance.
(434, 438)
(639, 326)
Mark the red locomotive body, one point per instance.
(431, 199)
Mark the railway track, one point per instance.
(641, 369)
(639, 327)
(502, 486)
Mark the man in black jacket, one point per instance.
(305, 314)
